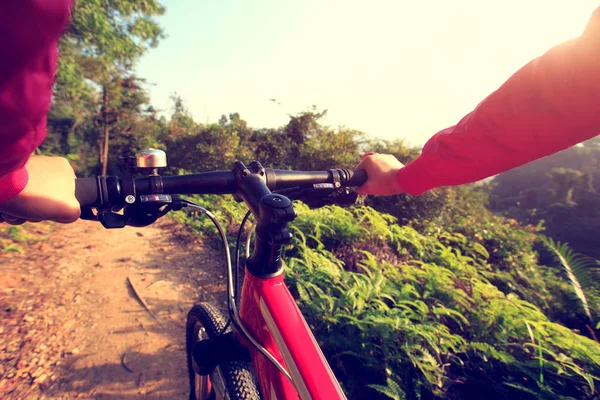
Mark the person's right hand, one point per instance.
(49, 194)
(382, 170)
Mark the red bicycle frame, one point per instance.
(271, 315)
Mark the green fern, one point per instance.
(579, 269)
(444, 311)
(392, 390)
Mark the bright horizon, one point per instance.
(393, 69)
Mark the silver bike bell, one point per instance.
(151, 160)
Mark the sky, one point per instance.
(395, 69)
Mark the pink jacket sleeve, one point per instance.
(550, 104)
(29, 33)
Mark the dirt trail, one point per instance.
(73, 327)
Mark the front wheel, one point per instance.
(231, 380)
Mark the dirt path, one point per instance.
(73, 327)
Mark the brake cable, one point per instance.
(237, 261)
(231, 303)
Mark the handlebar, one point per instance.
(106, 191)
(144, 200)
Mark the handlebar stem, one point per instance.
(252, 185)
(272, 213)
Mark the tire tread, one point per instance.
(238, 376)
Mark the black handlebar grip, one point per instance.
(357, 177)
(86, 191)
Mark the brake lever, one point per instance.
(342, 198)
(145, 211)
(87, 213)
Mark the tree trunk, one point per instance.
(104, 152)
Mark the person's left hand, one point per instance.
(49, 194)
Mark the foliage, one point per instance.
(582, 271)
(446, 313)
(435, 321)
(14, 238)
(391, 390)
(302, 144)
(561, 190)
(223, 208)
(442, 206)
(211, 147)
(96, 89)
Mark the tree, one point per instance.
(181, 123)
(564, 182)
(327, 148)
(304, 125)
(561, 191)
(100, 48)
(272, 147)
(134, 127)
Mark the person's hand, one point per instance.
(381, 172)
(49, 194)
